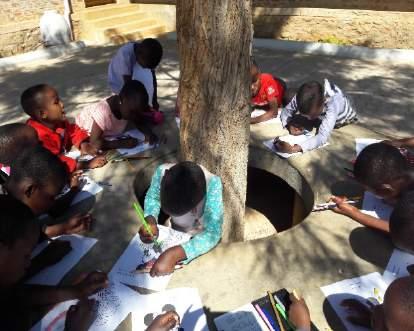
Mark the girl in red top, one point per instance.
(42, 103)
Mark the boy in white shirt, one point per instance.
(136, 60)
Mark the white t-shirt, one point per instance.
(122, 64)
(144, 76)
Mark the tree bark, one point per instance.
(214, 41)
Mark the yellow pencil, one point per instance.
(273, 304)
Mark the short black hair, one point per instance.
(31, 98)
(402, 290)
(134, 96)
(16, 220)
(182, 188)
(13, 140)
(378, 164)
(309, 96)
(402, 223)
(150, 50)
(40, 165)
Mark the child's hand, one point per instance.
(97, 162)
(299, 313)
(90, 284)
(76, 182)
(344, 208)
(164, 322)
(295, 131)
(145, 236)
(77, 224)
(167, 261)
(359, 314)
(54, 252)
(283, 146)
(80, 316)
(89, 149)
(128, 142)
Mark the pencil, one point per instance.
(273, 304)
(141, 217)
(296, 295)
(263, 316)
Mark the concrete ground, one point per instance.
(323, 249)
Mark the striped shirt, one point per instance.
(338, 111)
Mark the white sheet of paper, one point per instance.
(244, 318)
(370, 287)
(113, 306)
(137, 252)
(259, 112)
(397, 265)
(361, 143)
(135, 133)
(76, 154)
(292, 140)
(55, 319)
(185, 301)
(375, 207)
(89, 189)
(53, 275)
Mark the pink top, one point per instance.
(101, 114)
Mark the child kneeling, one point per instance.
(192, 196)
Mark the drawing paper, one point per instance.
(397, 265)
(53, 275)
(141, 147)
(361, 143)
(375, 207)
(137, 253)
(244, 318)
(259, 112)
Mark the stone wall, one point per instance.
(19, 23)
(379, 23)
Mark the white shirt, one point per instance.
(144, 76)
(122, 64)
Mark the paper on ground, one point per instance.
(361, 143)
(141, 147)
(76, 154)
(113, 306)
(185, 301)
(292, 140)
(53, 275)
(137, 253)
(244, 318)
(89, 189)
(376, 207)
(397, 265)
(259, 112)
(370, 287)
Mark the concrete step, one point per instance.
(128, 27)
(114, 20)
(151, 31)
(106, 11)
(91, 3)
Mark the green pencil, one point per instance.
(284, 315)
(141, 217)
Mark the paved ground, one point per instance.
(382, 91)
(323, 249)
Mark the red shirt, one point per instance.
(270, 89)
(61, 140)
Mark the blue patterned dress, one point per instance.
(206, 240)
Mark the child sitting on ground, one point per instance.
(110, 117)
(382, 170)
(43, 105)
(314, 101)
(13, 139)
(192, 196)
(37, 177)
(138, 61)
(396, 313)
(267, 94)
(19, 234)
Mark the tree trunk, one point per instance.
(214, 40)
